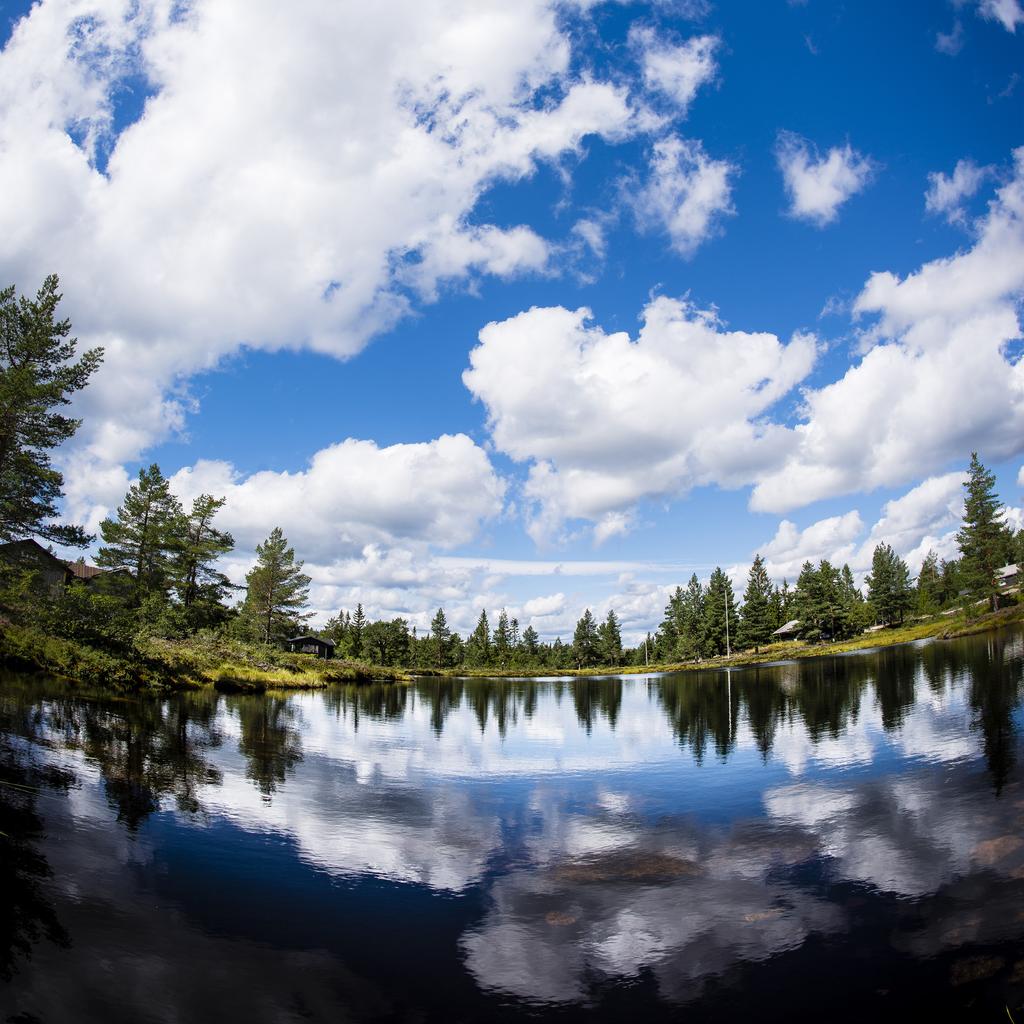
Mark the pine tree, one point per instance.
(756, 623)
(145, 536)
(609, 640)
(199, 545)
(37, 377)
(982, 538)
(441, 636)
(584, 641)
(277, 589)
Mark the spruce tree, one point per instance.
(502, 639)
(584, 641)
(691, 640)
(531, 642)
(720, 620)
(145, 536)
(853, 615)
(357, 630)
(609, 638)
(478, 647)
(278, 590)
(889, 588)
(441, 637)
(757, 619)
(807, 602)
(670, 632)
(38, 375)
(982, 538)
(929, 585)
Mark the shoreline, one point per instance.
(168, 666)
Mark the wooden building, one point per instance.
(53, 575)
(311, 645)
(1008, 577)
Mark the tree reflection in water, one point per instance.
(575, 875)
(270, 739)
(27, 915)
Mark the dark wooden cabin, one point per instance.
(311, 645)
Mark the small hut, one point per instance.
(1008, 576)
(311, 645)
(787, 632)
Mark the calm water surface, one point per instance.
(837, 839)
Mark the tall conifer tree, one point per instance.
(585, 640)
(757, 616)
(38, 374)
(610, 640)
(278, 589)
(199, 545)
(145, 535)
(441, 637)
(983, 537)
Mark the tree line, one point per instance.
(170, 558)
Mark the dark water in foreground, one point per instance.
(840, 839)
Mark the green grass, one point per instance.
(203, 660)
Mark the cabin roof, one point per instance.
(314, 639)
(788, 627)
(83, 571)
(1008, 570)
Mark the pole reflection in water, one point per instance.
(837, 838)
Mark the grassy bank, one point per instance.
(208, 660)
(161, 665)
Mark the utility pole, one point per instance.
(728, 648)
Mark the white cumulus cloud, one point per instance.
(686, 193)
(355, 493)
(297, 176)
(605, 421)
(939, 381)
(818, 185)
(677, 72)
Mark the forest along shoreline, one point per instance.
(167, 666)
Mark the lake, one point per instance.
(834, 839)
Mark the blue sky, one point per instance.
(289, 231)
